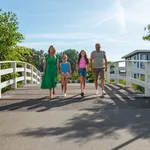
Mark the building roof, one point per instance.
(135, 52)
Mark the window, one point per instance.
(134, 59)
(135, 76)
(148, 56)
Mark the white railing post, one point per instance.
(14, 85)
(31, 67)
(40, 75)
(108, 74)
(37, 72)
(25, 74)
(128, 73)
(116, 72)
(0, 83)
(147, 79)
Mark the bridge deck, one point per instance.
(31, 121)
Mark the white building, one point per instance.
(138, 55)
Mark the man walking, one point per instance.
(98, 63)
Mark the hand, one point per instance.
(43, 73)
(92, 69)
(77, 69)
(105, 69)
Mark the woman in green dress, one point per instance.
(51, 67)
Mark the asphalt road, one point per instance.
(31, 121)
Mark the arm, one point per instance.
(70, 68)
(77, 66)
(105, 62)
(91, 60)
(44, 65)
(58, 68)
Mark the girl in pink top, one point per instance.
(81, 66)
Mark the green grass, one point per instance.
(133, 86)
(122, 82)
(138, 87)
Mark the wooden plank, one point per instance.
(138, 82)
(20, 69)
(6, 71)
(6, 83)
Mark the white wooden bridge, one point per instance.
(120, 120)
(28, 74)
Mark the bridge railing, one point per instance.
(27, 74)
(132, 71)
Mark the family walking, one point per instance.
(52, 68)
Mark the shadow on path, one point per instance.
(33, 104)
(96, 122)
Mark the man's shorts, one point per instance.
(99, 71)
(82, 72)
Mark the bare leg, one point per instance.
(53, 91)
(66, 81)
(96, 83)
(62, 83)
(50, 93)
(81, 83)
(102, 84)
(61, 86)
(84, 81)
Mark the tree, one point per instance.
(38, 57)
(72, 57)
(147, 37)
(75, 76)
(9, 35)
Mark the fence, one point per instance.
(27, 74)
(132, 72)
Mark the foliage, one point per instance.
(58, 77)
(75, 76)
(38, 57)
(90, 76)
(9, 50)
(147, 37)
(9, 35)
(72, 57)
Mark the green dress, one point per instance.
(49, 80)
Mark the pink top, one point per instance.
(82, 63)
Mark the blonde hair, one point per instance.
(64, 55)
(53, 49)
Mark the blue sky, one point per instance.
(117, 24)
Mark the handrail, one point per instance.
(131, 74)
(3, 62)
(130, 61)
(27, 71)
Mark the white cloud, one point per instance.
(117, 14)
(137, 12)
(56, 35)
(103, 21)
(62, 36)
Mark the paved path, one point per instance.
(30, 121)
